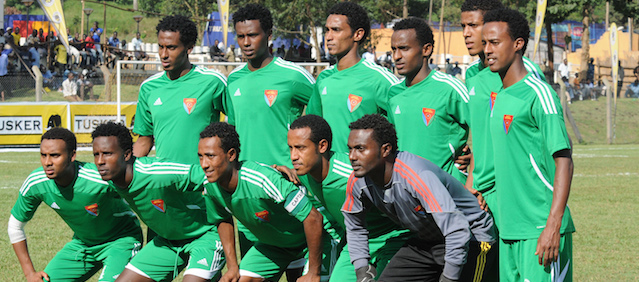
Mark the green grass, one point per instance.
(590, 117)
(129, 93)
(603, 203)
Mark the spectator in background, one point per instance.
(70, 88)
(281, 52)
(368, 55)
(386, 60)
(4, 65)
(16, 36)
(456, 70)
(114, 51)
(633, 88)
(84, 85)
(41, 35)
(33, 44)
(449, 67)
(137, 49)
(98, 46)
(91, 54)
(230, 57)
(564, 72)
(590, 75)
(3, 39)
(215, 52)
(620, 76)
(61, 58)
(432, 65)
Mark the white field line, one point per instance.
(606, 174)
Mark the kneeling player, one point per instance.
(272, 208)
(162, 194)
(417, 195)
(106, 233)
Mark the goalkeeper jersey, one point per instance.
(265, 102)
(94, 212)
(431, 119)
(342, 97)
(527, 128)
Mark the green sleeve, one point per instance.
(383, 96)
(143, 121)
(295, 200)
(194, 180)
(216, 210)
(26, 206)
(227, 105)
(458, 109)
(549, 118)
(314, 106)
(303, 90)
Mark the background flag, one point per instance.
(223, 5)
(539, 23)
(614, 56)
(53, 10)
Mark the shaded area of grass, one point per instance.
(590, 117)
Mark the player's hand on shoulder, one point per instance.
(366, 274)
(288, 173)
(38, 277)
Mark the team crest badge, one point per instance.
(353, 102)
(263, 216)
(92, 209)
(493, 96)
(420, 210)
(270, 96)
(158, 204)
(428, 115)
(508, 120)
(189, 104)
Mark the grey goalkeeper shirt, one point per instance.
(424, 199)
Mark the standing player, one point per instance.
(428, 108)
(272, 208)
(355, 86)
(528, 132)
(106, 233)
(418, 195)
(325, 174)
(267, 93)
(176, 104)
(163, 195)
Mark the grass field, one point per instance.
(603, 202)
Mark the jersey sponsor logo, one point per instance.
(92, 209)
(397, 111)
(189, 104)
(270, 96)
(493, 96)
(324, 91)
(237, 93)
(472, 92)
(158, 204)
(353, 102)
(428, 115)
(508, 120)
(263, 216)
(55, 206)
(158, 102)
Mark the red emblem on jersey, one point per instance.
(263, 216)
(189, 104)
(158, 204)
(428, 115)
(493, 96)
(420, 210)
(353, 102)
(270, 96)
(92, 209)
(508, 120)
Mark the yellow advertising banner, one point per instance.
(53, 10)
(85, 117)
(539, 23)
(24, 123)
(223, 6)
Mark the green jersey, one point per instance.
(527, 128)
(271, 207)
(265, 102)
(94, 212)
(176, 111)
(475, 67)
(164, 195)
(342, 97)
(431, 119)
(483, 88)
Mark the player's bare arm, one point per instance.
(22, 252)
(469, 185)
(313, 231)
(227, 236)
(548, 242)
(143, 146)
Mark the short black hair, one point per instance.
(357, 17)
(118, 130)
(383, 131)
(423, 31)
(517, 23)
(63, 134)
(184, 25)
(255, 12)
(481, 5)
(636, 70)
(227, 134)
(318, 126)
